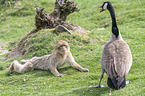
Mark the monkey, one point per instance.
(59, 57)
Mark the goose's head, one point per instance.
(104, 6)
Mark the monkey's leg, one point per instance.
(54, 71)
(16, 66)
(11, 68)
(28, 66)
(77, 66)
(24, 61)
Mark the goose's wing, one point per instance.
(116, 59)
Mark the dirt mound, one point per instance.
(54, 21)
(23, 45)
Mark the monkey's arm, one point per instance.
(73, 64)
(53, 70)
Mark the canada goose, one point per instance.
(116, 58)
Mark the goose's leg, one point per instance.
(99, 85)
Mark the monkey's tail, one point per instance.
(116, 83)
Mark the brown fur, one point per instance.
(52, 62)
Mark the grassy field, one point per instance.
(17, 19)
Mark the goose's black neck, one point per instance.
(115, 30)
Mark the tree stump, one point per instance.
(62, 9)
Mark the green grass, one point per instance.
(17, 19)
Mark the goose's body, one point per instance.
(116, 58)
(116, 61)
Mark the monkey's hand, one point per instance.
(60, 75)
(85, 70)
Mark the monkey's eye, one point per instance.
(62, 46)
(65, 46)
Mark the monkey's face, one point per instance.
(63, 47)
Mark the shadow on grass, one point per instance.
(43, 73)
(19, 78)
(90, 91)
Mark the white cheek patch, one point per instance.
(105, 6)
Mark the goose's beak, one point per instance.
(101, 9)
